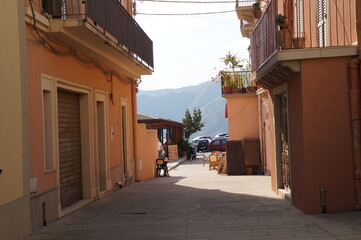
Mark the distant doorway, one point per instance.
(101, 146)
(124, 141)
(282, 143)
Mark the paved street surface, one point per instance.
(195, 203)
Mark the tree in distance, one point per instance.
(192, 122)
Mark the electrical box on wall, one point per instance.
(33, 184)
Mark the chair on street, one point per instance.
(161, 165)
(222, 167)
(204, 159)
(213, 161)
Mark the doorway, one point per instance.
(101, 146)
(70, 154)
(282, 138)
(124, 141)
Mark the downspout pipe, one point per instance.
(355, 100)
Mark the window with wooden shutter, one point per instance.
(299, 18)
(321, 22)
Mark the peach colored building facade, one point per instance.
(14, 149)
(147, 141)
(74, 121)
(309, 101)
(242, 115)
(242, 111)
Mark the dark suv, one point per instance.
(202, 145)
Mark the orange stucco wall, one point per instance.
(147, 151)
(242, 116)
(268, 137)
(68, 68)
(320, 136)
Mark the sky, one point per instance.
(187, 49)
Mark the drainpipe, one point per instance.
(354, 80)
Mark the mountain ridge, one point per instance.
(172, 103)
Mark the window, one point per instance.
(48, 124)
(299, 18)
(321, 22)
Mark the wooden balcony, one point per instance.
(275, 54)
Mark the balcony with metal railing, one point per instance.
(236, 82)
(105, 31)
(312, 31)
(245, 13)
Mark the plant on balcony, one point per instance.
(230, 77)
(234, 77)
(284, 35)
(257, 12)
(281, 21)
(298, 42)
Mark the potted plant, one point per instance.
(284, 34)
(298, 42)
(227, 82)
(232, 64)
(184, 147)
(281, 21)
(237, 83)
(257, 12)
(251, 88)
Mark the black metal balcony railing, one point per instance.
(330, 24)
(114, 19)
(242, 3)
(237, 82)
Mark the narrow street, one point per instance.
(195, 203)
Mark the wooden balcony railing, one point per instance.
(111, 17)
(263, 39)
(328, 24)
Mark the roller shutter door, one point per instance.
(69, 148)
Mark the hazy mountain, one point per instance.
(172, 103)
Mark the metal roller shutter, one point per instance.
(69, 148)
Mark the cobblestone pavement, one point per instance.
(195, 203)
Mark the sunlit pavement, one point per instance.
(195, 203)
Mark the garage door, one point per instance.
(69, 148)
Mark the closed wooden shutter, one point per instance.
(252, 154)
(299, 18)
(235, 161)
(69, 148)
(321, 22)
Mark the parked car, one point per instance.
(202, 145)
(202, 137)
(221, 135)
(218, 144)
(194, 142)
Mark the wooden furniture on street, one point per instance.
(213, 161)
